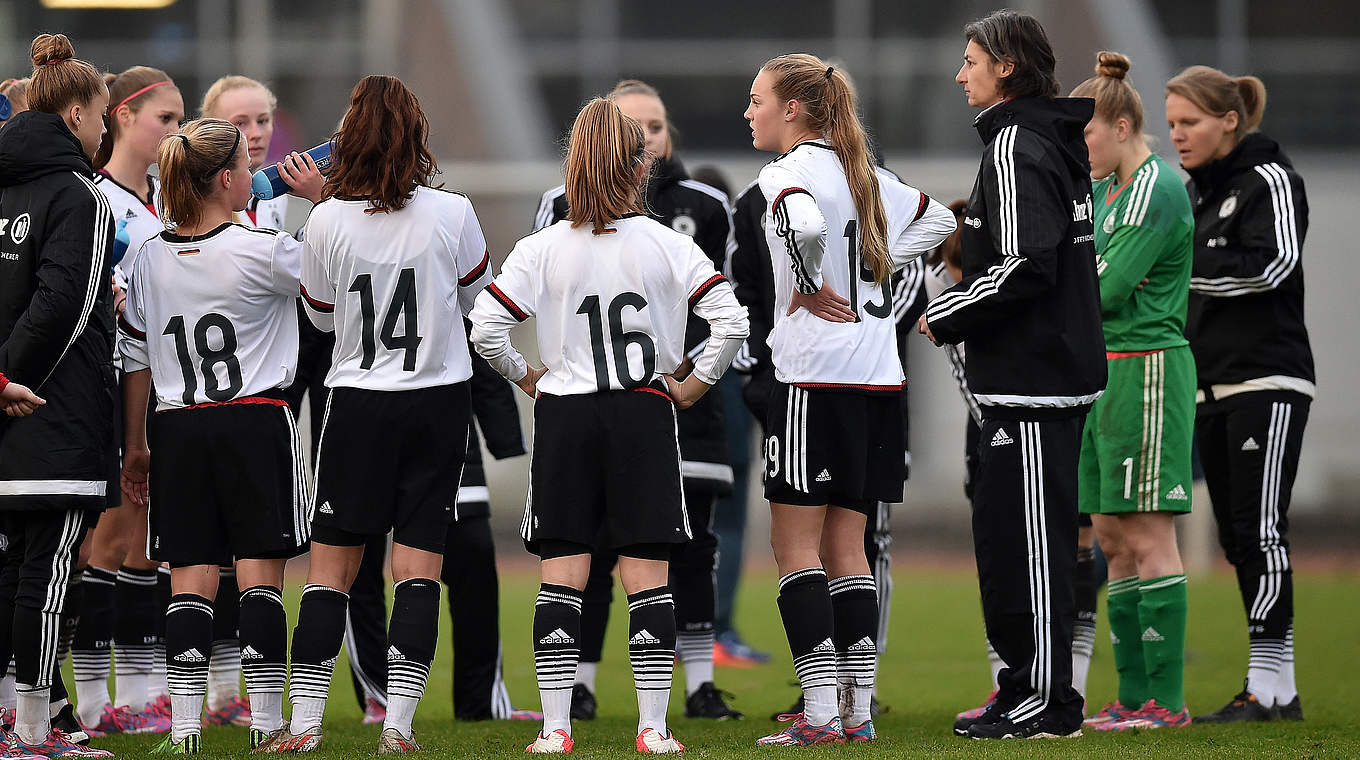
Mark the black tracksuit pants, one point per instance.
(1025, 539)
(40, 546)
(1249, 446)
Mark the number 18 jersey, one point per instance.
(213, 316)
(395, 286)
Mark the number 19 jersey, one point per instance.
(213, 316)
(395, 286)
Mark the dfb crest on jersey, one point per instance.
(1108, 224)
(684, 223)
(1228, 207)
(18, 231)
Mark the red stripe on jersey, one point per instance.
(662, 394)
(787, 191)
(703, 290)
(321, 306)
(234, 402)
(254, 222)
(129, 329)
(1131, 354)
(476, 271)
(921, 207)
(853, 386)
(152, 208)
(515, 311)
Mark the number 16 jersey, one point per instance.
(213, 316)
(395, 286)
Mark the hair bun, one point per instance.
(1112, 65)
(51, 48)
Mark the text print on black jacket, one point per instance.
(56, 324)
(1029, 302)
(1245, 316)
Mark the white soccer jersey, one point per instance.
(213, 315)
(610, 308)
(271, 214)
(135, 221)
(395, 287)
(812, 230)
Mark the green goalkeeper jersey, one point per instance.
(1144, 229)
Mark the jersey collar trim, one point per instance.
(171, 237)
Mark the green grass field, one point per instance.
(935, 666)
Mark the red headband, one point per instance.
(124, 101)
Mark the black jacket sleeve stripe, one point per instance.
(102, 236)
(544, 216)
(1286, 240)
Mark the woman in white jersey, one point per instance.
(211, 321)
(392, 265)
(611, 289)
(837, 229)
(125, 596)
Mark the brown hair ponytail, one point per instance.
(603, 154)
(130, 88)
(59, 78)
(1216, 93)
(1115, 97)
(831, 105)
(189, 164)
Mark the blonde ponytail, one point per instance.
(189, 162)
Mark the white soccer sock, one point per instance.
(1083, 642)
(652, 709)
(31, 720)
(266, 710)
(994, 660)
(401, 711)
(131, 690)
(7, 692)
(585, 674)
(696, 654)
(1263, 669)
(55, 707)
(91, 696)
(156, 686)
(224, 674)
(186, 712)
(819, 705)
(556, 709)
(1285, 688)
(307, 712)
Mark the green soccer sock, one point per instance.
(1125, 634)
(1161, 614)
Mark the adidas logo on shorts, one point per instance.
(1151, 634)
(864, 644)
(1250, 445)
(643, 636)
(1001, 439)
(1176, 494)
(823, 476)
(395, 655)
(825, 646)
(250, 653)
(558, 636)
(192, 655)
(325, 508)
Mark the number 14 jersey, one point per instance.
(395, 286)
(213, 316)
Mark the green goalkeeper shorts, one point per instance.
(1135, 448)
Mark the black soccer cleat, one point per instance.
(1042, 726)
(707, 702)
(796, 709)
(1293, 710)
(1244, 708)
(582, 703)
(991, 713)
(66, 722)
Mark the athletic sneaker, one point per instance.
(991, 712)
(122, 720)
(56, 745)
(1112, 712)
(259, 737)
(804, 734)
(864, 732)
(10, 754)
(156, 716)
(1041, 726)
(6, 720)
(1150, 715)
(285, 742)
(1292, 710)
(707, 702)
(391, 742)
(731, 652)
(189, 745)
(236, 712)
(651, 742)
(520, 713)
(65, 720)
(977, 712)
(582, 703)
(557, 743)
(374, 712)
(1244, 708)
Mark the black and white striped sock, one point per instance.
(1263, 667)
(92, 649)
(224, 673)
(134, 635)
(411, 638)
(651, 650)
(557, 649)
(263, 654)
(854, 604)
(805, 606)
(188, 635)
(316, 647)
(696, 655)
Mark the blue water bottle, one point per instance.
(268, 184)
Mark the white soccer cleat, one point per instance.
(557, 743)
(651, 742)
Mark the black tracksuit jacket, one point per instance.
(56, 318)
(1245, 316)
(1029, 302)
